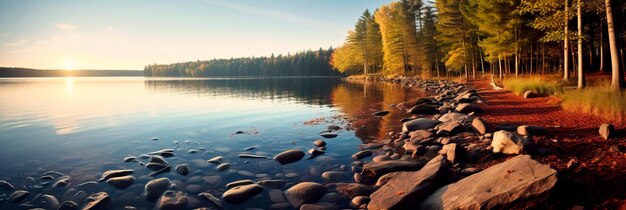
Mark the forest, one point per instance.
(306, 63)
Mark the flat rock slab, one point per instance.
(405, 189)
(377, 169)
(515, 180)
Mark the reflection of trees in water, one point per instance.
(360, 99)
(314, 91)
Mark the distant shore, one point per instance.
(28, 72)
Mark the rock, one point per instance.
(239, 183)
(289, 156)
(362, 154)
(449, 128)
(419, 124)
(468, 108)
(377, 169)
(461, 117)
(423, 109)
(351, 190)
(379, 158)
(130, 159)
(318, 206)
(328, 135)
(157, 163)
(253, 156)
(182, 169)
(500, 186)
(319, 143)
(333, 176)
(121, 182)
(304, 192)
(273, 184)
(172, 200)
(572, 163)
(468, 171)
(606, 130)
(239, 194)
(529, 130)
(381, 113)
(97, 201)
(154, 188)
(452, 152)
(62, 181)
(359, 200)
(404, 190)
(276, 196)
(214, 200)
(4, 185)
(68, 205)
(530, 94)
(419, 135)
(223, 166)
(508, 143)
(18, 196)
(478, 125)
(216, 160)
(49, 202)
(314, 153)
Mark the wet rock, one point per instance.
(381, 113)
(276, 196)
(157, 163)
(319, 143)
(500, 186)
(192, 151)
(289, 156)
(377, 169)
(468, 108)
(420, 135)
(404, 190)
(47, 177)
(508, 142)
(359, 201)
(121, 182)
(351, 190)
(419, 124)
(172, 200)
(155, 188)
(328, 135)
(114, 173)
(314, 153)
(379, 158)
(423, 109)
(529, 130)
(216, 160)
(253, 156)
(362, 154)
(214, 200)
(69, 205)
(461, 117)
(49, 202)
(163, 170)
(318, 206)
(273, 184)
(478, 125)
(182, 169)
(4, 185)
(97, 201)
(18, 196)
(62, 181)
(239, 183)
(249, 148)
(241, 193)
(606, 130)
(305, 192)
(333, 176)
(449, 128)
(130, 159)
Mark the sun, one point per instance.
(69, 64)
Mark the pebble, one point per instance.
(18, 196)
(248, 149)
(62, 182)
(381, 113)
(223, 166)
(49, 202)
(242, 193)
(319, 143)
(68, 205)
(289, 156)
(333, 176)
(209, 197)
(253, 156)
(182, 169)
(239, 183)
(276, 196)
(216, 160)
(172, 200)
(97, 201)
(291, 175)
(130, 158)
(122, 182)
(114, 173)
(362, 154)
(305, 192)
(328, 135)
(156, 187)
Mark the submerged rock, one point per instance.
(273, 184)
(62, 181)
(157, 163)
(182, 169)
(223, 166)
(49, 202)
(209, 197)
(328, 135)
(333, 176)
(69, 205)
(239, 183)
(314, 153)
(319, 143)
(115, 173)
(381, 113)
(239, 194)
(130, 159)
(253, 156)
(4, 185)
(500, 186)
(305, 192)
(155, 188)
(18, 196)
(289, 156)
(172, 200)
(508, 142)
(122, 182)
(97, 201)
(216, 160)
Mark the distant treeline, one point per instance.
(306, 63)
(26, 72)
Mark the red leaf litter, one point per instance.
(598, 180)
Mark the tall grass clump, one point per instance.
(597, 100)
(541, 86)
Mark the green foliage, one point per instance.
(598, 100)
(539, 85)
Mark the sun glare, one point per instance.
(69, 64)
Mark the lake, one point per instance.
(83, 126)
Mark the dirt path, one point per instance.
(599, 180)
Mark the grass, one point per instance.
(540, 85)
(597, 100)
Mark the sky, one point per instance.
(123, 34)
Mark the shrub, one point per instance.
(541, 86)
(597, 100)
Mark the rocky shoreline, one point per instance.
(444, 157)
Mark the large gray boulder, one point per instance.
(508, 143)
(419, 124)
(516, 180)
(406, 189)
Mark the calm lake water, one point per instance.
(82, 127)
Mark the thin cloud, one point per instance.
(111, 28)
(65, 26)
(16, 43)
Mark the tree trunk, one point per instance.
(601, 47)
(616, 76)
(500, 66)
(566, 46)
(581, 79)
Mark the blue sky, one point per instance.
(123, 34)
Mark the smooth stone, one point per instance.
(314, 153)
(304, 192)
(130, 159)
(246, 173)
(333, 176)
(328, 135)
(114, 173)
(276, 195)
(154, 188)
(216, 160)
(451, 151)
(272, 184)
(358, 201)
(508, 143)
(606, 130)
(6, 185)
(289, 156)
(172, 200)
(530, 130)
(351, 190)
(377, 169)
(47, 177)
(423, 109)
(449, 128)
(292, 175)
(211, 198)
(253, 156)
(517, 180)
(239, 183)
(478, 126)
(62, 181)
(97, 201)
(69, 205)
(404, 190)
(121, 182)
(49, 202)
(239, 194)
(468, 108)
(461, 117)
(182, 169)
(379, 158)
(163, 170)
(18, 196)
(362, 154)
(157, 163)
(318, 206)
(319, 143)
(223, 166)
(381, 113)
(419, 124)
